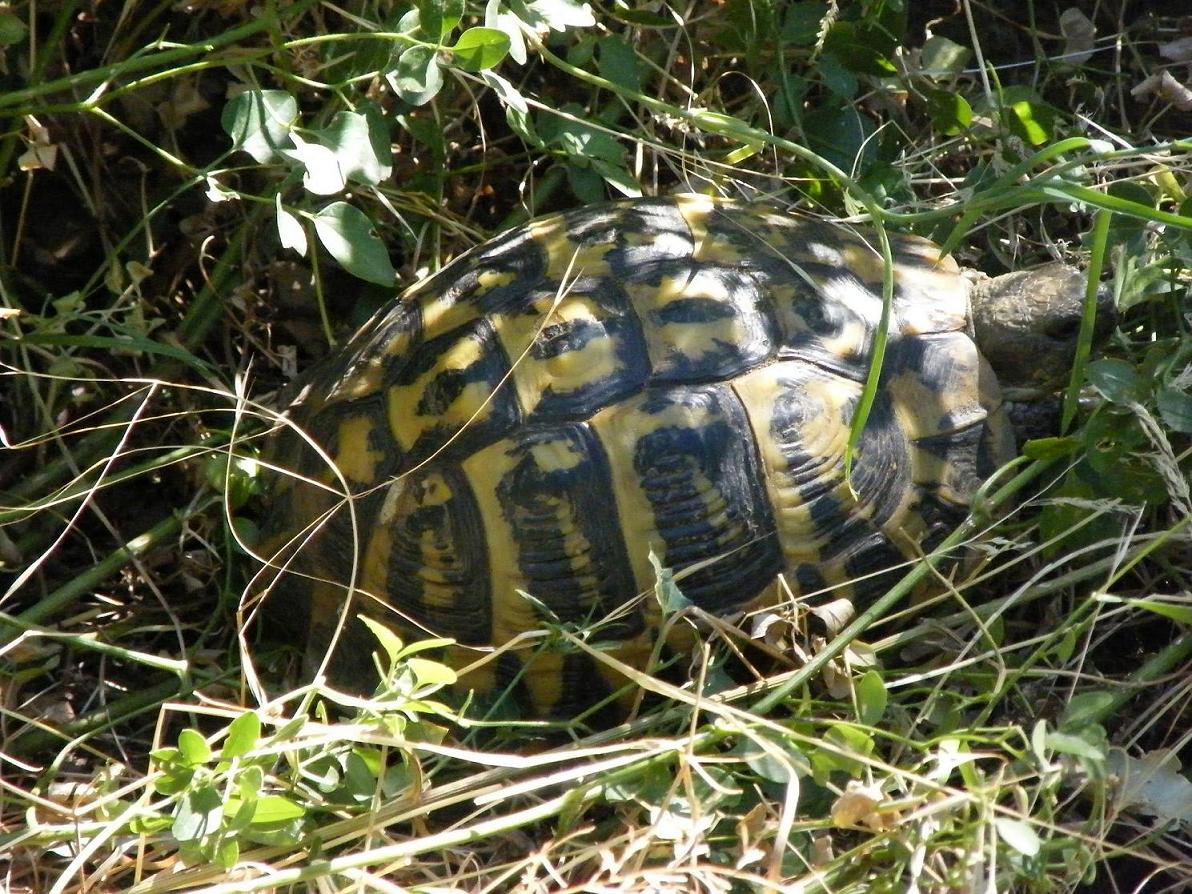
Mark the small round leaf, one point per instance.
(193, 747)
(871, 698)
(276, 809)
(258, 121)
(1116, 380)
(1018, 835)
(243, 733)
(480, 48)
(346, 233)
(417, 77)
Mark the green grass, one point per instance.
(1022, 731)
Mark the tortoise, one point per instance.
(667, 379)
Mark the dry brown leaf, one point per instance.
(1164, 86)
(1178, 50)
(859, 806)
(1079, 35)
(835, 615)
(770, 627)
(750, 830)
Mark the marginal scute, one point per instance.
(358, 455)
(936, 381)
(691, 490)
(427, 556)
(548, 530)
(676, 378)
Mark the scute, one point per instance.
(547, 528)
(664, 377)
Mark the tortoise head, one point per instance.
(1026, 324)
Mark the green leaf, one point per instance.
(836, 77)
(871, 697)
(289, 729)
(480, 48)
(864, 48)
(1129, 228)
(1065, 647)
(398, 780)
(779, 761)
(1176, 409)
(389, 641)
(167, 755)
(424, 645)
(842, 136)
(517, 110)
(236, 480)
(360, 143)
(426, 131)
(1018, 835)
(1115, 465)
(1181, 614)
(950, 112)
(641, 17)
(849, 740)
(346, 233)
(1085, 708)
(1078, 745)
(425, 731)
(238, 813)
(582, 142)
(323, 176)
(1051, 448)
(617, 62)
(417, 77)
(259, 122)
(439, 17)
(174, 781)
(557, 15)
(276, 809)
(942, 58)
(243, 734)
(1111, 438)
(585, 147)
(803, 21)
(149, 825)
(1033, 121)
(193, 747)
(12, 29)
(495, 17)
(618, 178)
(410, 21)
(249, 782)
(361, 769)
(1117, 381)
(666, 591)
(247, 532)
(430, 673)
(290, 231)
(198, 814)
(227, 853)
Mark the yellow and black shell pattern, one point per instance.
(673, 376)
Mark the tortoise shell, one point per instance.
(669, 377)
